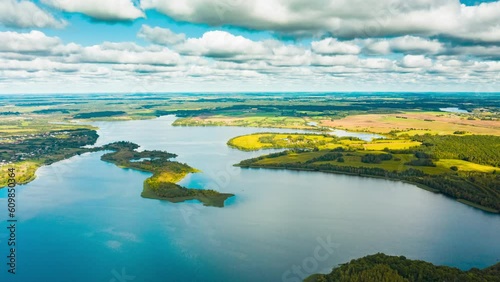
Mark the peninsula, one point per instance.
(166, 173)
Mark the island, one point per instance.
(463, 167)
(381, 267)
(44, 144)
(166, 173)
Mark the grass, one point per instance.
(465, 165)
(379, 145)
(21, 126)
(25, 172)
(396, 164)
(413, 123)
(253, 142)
(269, 120)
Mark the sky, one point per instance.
(129, 46)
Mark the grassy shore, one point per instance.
(475, 188)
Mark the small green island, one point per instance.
(381, 267)
(166, 173)
(26, 153)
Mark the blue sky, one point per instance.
(235, 45)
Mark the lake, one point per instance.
(454, 110)
(84, 220)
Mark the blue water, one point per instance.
(84, 220)
(454, 110)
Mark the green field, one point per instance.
(259, 141)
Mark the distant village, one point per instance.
(30, 146)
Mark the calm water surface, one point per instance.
(84, 220)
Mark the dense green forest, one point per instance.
(384, 268)
(480, 149)
(99, 114)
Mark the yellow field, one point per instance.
(25, 172)
(390, 144)
(415, 123)
(465, 165)
(278, 140)
(169, 176)
(253, 142)
(396, 164)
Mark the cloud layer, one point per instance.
(344, 19)
(368, 43)
(25, 14)
(109, 10)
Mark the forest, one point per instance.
(381, 267)
(480, 149)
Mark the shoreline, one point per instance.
(421, 186)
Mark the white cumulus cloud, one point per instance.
(109, 10)
(161, 36)
(416, 61)
(26, 14)
(342, 18)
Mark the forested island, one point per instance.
(381, 267)
(462, 167)
(166, 173)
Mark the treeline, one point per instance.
(52, 111)
(375, 158)
(480, 149)
(381, 267)
(124, 155)
(476, 187)
(325, 158)
(99, 114)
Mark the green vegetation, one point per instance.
(23, 126)
(258, 141)
(392, 114)
(162, 185)
(381, 267)
(27, 153)
(471, 183)
(481, 149)
(99, 114)
(256, 119)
